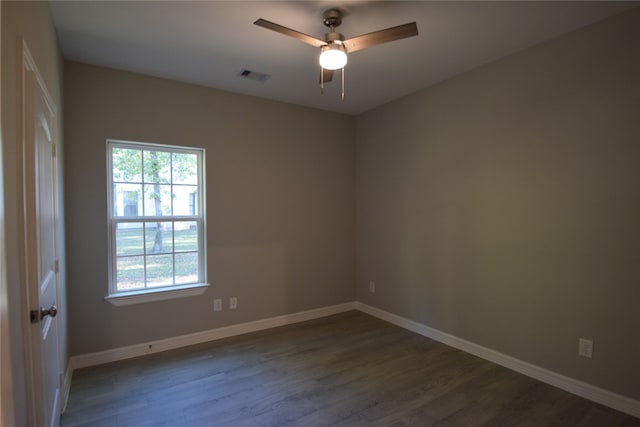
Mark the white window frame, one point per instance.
(118, 298)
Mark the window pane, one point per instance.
(127, 200)
(186, 268)
(185, 200)
(130, 273)
(186, 236)
(129, 239)
(157, 200)
(159, 237)
(157, 167)
(185, 168)
(159, 270)
(126, 164)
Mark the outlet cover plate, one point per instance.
(585, 348)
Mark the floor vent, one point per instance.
(254, 75)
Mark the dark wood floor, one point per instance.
(345, 370)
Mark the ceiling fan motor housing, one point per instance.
(333, 37)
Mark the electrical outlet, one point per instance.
(217, 305)
(585, 348)
(372, 287)
(233, 303)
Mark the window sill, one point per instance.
(140, 297)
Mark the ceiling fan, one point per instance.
(334, 48)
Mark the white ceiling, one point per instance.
(210, 42)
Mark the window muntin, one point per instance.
(156, 220)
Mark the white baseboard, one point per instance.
(588, 391)
(112, 355)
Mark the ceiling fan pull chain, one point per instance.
(343, 83)
(321, 81)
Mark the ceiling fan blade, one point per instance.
(382, 36)
(326, 76)
(289, 32)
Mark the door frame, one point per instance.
(6, 393)
(29, 246)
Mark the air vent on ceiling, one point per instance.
(254, 75)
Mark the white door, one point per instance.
(40, 197)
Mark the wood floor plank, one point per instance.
(345, 370)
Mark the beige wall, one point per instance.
(503, 207)
(280, 203)
(30, 21)
(500, 206)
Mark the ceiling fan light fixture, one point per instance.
(333, 56)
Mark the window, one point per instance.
(156, 221)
